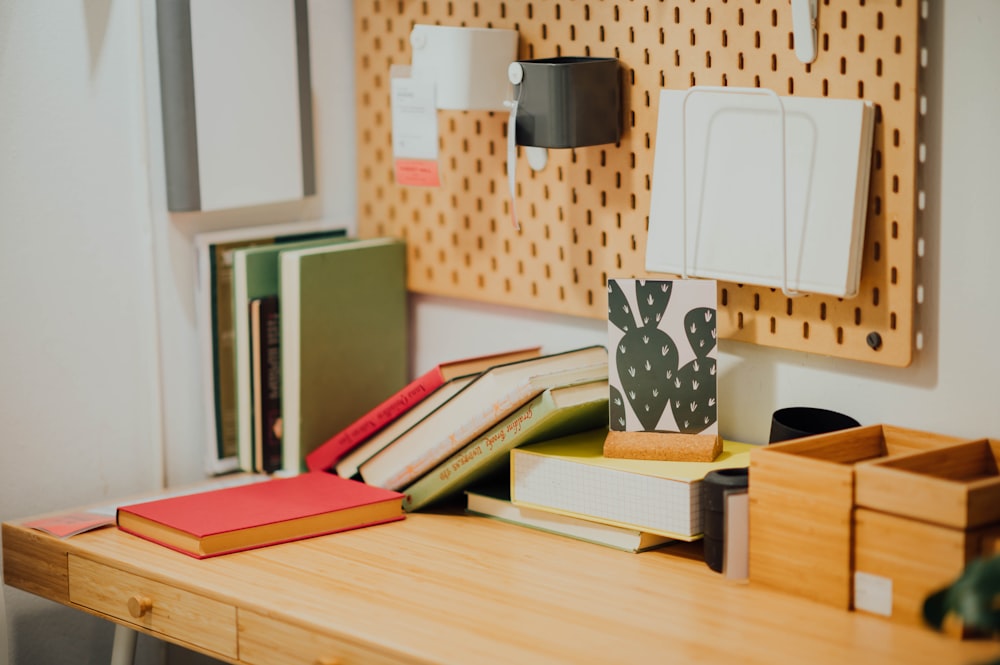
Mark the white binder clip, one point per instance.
(804, 13)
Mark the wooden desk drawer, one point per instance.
(181, 615)
(266, 641)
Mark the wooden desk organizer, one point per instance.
(920, 520)
(802, 507)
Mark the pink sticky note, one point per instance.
(417, 173)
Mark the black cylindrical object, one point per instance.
(714, 488)
(794, 422)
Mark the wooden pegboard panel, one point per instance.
(584, 217)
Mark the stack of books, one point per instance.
(565, 485)
(441, 432)
(285, 316)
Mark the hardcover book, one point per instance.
(265, 346)
(344, 338)
(255, 275)
(492, 499)
(554, 413)
(572, 477)
(222, 521)
(348, 466)
(489, 398)
(214, 317)
(413, 393)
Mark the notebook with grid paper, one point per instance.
(571, 476)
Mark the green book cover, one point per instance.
(344, 338)
(254, 275)
(571, 476)
(555, 412)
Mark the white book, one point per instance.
(348, 466)
(487, 400)
(729, 163)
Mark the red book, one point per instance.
(274, 511)
(326, 455)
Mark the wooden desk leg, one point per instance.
(123, 648)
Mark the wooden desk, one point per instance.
(439, 588)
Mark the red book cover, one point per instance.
(327, 454)
(274, 511)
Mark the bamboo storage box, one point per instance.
(802, 506)
(920, 520)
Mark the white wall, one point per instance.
(78, 369)
(98, 323)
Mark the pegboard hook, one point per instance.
(804, 15)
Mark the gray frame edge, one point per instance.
(180, 138)
(305, 98)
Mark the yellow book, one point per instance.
(571, 476)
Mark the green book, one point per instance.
(255, 275)
(553, 413)
(571, 476)
(344, 338)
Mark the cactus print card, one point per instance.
(662, 364)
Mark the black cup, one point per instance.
(714, 488)
(794, 422)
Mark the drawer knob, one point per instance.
(139, 606)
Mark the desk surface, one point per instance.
(450, 588)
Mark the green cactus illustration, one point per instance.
(616, 410)
(693, 391)
(646, 356)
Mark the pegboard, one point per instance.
(584, 217)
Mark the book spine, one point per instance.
(270, 385)
(487, 451)
(458, 438)
(330, 452)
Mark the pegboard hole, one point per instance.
(724, 298)
(805, 330)
(875, 297)
(773, 325)
(822, 311)
(840, 335)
